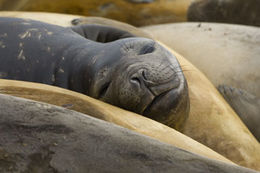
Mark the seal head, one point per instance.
(139, 75)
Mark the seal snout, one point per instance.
(148, 80)
(162, 87)
(145, 80)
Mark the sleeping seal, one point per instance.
(38, 137)
(228, 55)
(225, 11)
(209, 113)
(246, 105)
(136, 74)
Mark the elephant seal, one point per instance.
(101, 110)
(137, 14)
(246, 105)
(38, 137)
(227, 11)
(234, 49)
(209, 113)
(136, 74)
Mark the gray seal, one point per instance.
(225, 11)
(134, 73)
(246, 105)
(38, 137)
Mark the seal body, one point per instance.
(230, 11)
(76, 143)
(133, 73)
(228, 55)
(158, 11)
(232, 138)
(246, 105)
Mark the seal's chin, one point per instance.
(165, 105)
(150, 106)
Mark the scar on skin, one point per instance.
(4, 35)
(39, 36)
(33, 29)
(21, 56)
(20, 44)
(27, 33)
(61, 70)
(53, 78)
(24, 35)
(26, 23)
(94, 59)
(2, 45)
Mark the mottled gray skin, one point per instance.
(136, 74)
(37, 137)
(246, 105)
(225, 11)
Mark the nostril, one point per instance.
(146, 49)
(135, 80)
(143, 74)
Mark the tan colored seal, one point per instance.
(85, 104)
(228, 55)
(138, 14)
(213, 123)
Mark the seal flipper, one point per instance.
(246, 105)
(112, 23)
(101, 33)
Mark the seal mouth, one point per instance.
(164, 105)
(154, 102)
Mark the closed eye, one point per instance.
(146, 49)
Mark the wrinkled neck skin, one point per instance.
(91, 66)
(81, 67)
(136, 74)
